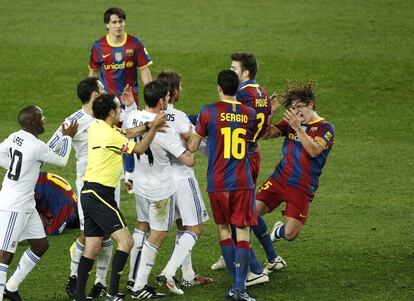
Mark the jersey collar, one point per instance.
(317, 120)
(231, 101)
(116, 45)
(249, 83)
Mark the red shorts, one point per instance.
(236, 207)
(273, 193)
(255, 165)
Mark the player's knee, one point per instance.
(291, 234)
(197, 230)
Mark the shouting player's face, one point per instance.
(116, 26)
(302, 111)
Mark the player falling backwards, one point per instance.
(308, 140)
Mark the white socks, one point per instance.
(3, 277)
(103, 260)
(135, 254)
(26, 264)
(181, 254)
(76, 251)
(148, 255)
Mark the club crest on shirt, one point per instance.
(124, 148)
(13, 244)
(129, 52)
(328, 136)
(118, 56)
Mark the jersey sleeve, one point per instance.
(326, 135)
(47, 155)
(4, 157)
(141, 55)
(202, 123)
(283, 127)
(172, 143)
(94, 61)
(118, 141)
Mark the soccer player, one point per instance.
(228, 125)
(88, 90)
(22, 154)
(116, 57)
(101, 213)
(255, 96)
(154, 187)
(308, 141)
(191, 211)
(56, 203)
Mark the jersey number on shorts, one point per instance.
(15, 165)
(234, 144)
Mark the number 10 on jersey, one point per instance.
(234, 144)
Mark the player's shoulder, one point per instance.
(326, 124)
(80, 116)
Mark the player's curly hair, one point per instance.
(297, 90)
(172, 79)
(103, 104)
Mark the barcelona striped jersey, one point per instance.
(297, 168)
(118, 63)
(254, 96)
(227, 125)
(56, 200)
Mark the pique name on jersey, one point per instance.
(260, 102)
(231, 117)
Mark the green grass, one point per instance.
(358, 242)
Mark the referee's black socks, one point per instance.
(84, 268)
(118, 263)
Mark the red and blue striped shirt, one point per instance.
(297, 168)
(118, 63)
(254, 96)
(228, 125)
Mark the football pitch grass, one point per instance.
(358, 241)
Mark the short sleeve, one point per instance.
(202, 123)
(172, 143)
(325, 135)
(141, 54)
(94, 62)
(283, 127)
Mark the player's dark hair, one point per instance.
(154, 91)
(171, 78)
(299, 91)
(86, 87)
(228, 82)
(114, 11)
(103, 104)
(247, 61)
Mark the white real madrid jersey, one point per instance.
(25, 154)
(153, 176)
(80, 140)
(179, 121)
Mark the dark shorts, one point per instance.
(273, 193)
(101, 213)
(236, 207)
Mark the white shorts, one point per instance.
(158, 214)
(189, 203)
(18, 226)
(79, 185)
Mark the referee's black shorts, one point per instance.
(101, 213)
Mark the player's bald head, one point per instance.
(27, 115)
